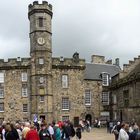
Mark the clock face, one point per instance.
(41, 41)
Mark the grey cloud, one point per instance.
(104, 27)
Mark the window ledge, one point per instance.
(65, 109)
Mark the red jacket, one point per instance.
(32, 135)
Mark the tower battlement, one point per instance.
(12, 62)
(131, 65)
(41, 7)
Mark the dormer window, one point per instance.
(105, 79)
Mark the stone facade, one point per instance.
(125, 88)
(51, 88)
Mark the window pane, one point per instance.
(65, 103)
(65, 118)
(105, 79)
(64, 81)
(41, 98)
(1, 77)
(126, 98)
(105, 98)
(24, 91)
(1, 92)
(87, 97)
(41, 61)
(25, 108)
(114, 99)
(40, 21)
(1, 107)
(24, 77)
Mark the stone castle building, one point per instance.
(125, 90)
(53, 88)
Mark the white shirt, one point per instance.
(123, 135)
(50, 128)
(3, 134)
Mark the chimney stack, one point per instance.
(97, 59)
(117, 62)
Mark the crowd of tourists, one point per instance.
(124, 131)
(39, 131)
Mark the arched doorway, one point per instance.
(89, 118)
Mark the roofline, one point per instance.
(101, 64)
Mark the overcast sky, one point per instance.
(103, 27)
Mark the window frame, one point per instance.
(25, 110)
(65, 118)
(41, 61)
(40, 22)
(88, 97)
(24, 77)
(1, 77)
(65, 103)
(126, 95)
(41, 98)
(114, 99)
(24, 91)
(64, 80)
(105, 98)
(1, 89)
(2, 107)
(105, 78)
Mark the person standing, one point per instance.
(32, 134)
(123, 135)
(66, 132)
(44, 132)
(51, 131)
(9, 134)
(78, 133)
(116, 130)
(25, 130)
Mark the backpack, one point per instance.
(57, 133)
(54, 135)
(114, 130)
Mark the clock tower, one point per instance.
(40, 16)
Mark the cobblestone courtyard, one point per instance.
(97, 134)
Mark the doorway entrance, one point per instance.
(89, 118)
(42, 117)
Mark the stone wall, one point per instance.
(13, 99)
(76, 94)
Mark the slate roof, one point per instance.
(93, 71)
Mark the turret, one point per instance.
(40, 16)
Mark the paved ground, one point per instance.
(97, 134)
